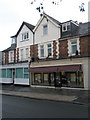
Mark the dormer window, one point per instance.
(13, 40)
(66, 26)
(25, 36)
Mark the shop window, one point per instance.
(0, 73)
(26, 73)
(9, 73)
(3, 73)
(19, 72)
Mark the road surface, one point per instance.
(19, 107)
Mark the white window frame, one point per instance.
(11, 56)
(70, 47)
(21, 54)
(73, 44)
(27, 53)
(40, 51)
(13, 40)
(25, 36)
(49, 48)
(65, 25)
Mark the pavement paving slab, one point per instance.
(78, 96)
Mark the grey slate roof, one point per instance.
(12, 47)
(84, 29)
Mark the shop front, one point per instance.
(68, 75)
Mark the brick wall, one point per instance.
(85, 46)
(34, 51)
(14, 55)
(54, 49)
(6, 57)
(63, 49)
(17, 54)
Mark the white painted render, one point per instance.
(53, 32)
(27, 42)
(18, 65)
(21, 81)
(6, 80)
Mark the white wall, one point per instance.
(21, 81)
(19, 37)
(6, 80)
(53, 32)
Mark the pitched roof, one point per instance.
(54, 20)
(84, 28)
(31, 27)
(12, 47)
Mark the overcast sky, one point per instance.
(14, 12)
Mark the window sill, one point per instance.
(24, 40)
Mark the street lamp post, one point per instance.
(29, 63)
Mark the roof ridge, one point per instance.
(55, 20)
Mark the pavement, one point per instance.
(64, 94)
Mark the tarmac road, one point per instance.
(20, 107)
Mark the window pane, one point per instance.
(19, 73)
(26, 76)
(9, 73)
(45, 29)
(27, 53)
(42, 51)
(74, 48)
(21, 54)
(3, 73)
(49, 47)
(25, 70)
(25, 36)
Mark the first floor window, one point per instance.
(27, 53)
(74, 47)
(21, 54)
(49, 49)
(41, 50)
